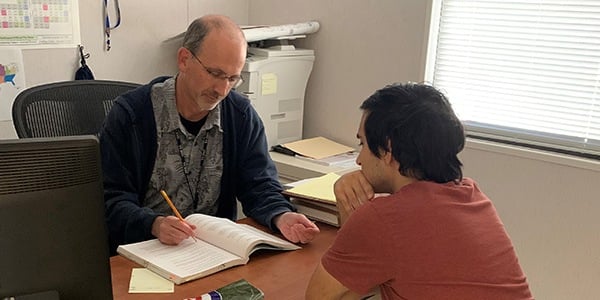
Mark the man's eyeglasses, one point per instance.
(234, 80)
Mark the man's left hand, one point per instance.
(296, 227)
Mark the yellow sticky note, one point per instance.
(269, 84)
(146, 281)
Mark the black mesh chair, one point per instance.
(65, 108)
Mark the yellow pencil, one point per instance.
(164, 194)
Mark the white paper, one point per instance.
(12, 80)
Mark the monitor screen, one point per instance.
(53, 235)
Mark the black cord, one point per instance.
(186, 170)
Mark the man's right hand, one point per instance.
(351, 191)
(171, 231)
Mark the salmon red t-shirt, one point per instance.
(428, 241)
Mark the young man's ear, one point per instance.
(387, 157)
(387, 154)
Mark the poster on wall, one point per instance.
(39, 23)
(12, 79)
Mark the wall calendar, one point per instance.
(45, 23)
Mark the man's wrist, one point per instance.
(275, 220)
(156, 226)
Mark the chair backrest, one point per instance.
(65, 108)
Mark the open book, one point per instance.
(221, 244)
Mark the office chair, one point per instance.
(65, 108)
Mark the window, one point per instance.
(526, 72)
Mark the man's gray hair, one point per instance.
(199, 29)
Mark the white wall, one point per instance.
(138, 52)
(548, 204)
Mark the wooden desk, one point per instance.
(279, 274)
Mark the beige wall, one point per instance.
(548, 204)
(360, 46)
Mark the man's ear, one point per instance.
(387, 154)
(388, 158)
(183, 59)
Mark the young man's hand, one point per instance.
(351, 191)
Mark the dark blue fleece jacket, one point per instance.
(128, 145)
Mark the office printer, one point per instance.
(275, 81)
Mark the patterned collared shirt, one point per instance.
(188, 167)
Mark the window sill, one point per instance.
(531, 153)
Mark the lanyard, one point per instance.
(107, 26)
(187, 168)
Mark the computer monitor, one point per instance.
(53, 236)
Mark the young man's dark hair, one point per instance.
(417, 122)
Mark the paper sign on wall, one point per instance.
(12, 80)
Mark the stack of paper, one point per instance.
(321, 151)
(317, 148)
(314, 198)
(344, 160)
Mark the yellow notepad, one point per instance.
(146, 281)
(319, 188)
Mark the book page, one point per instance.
(182, 261)
(235, 238)
(267, 241)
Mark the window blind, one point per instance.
(521, 71)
